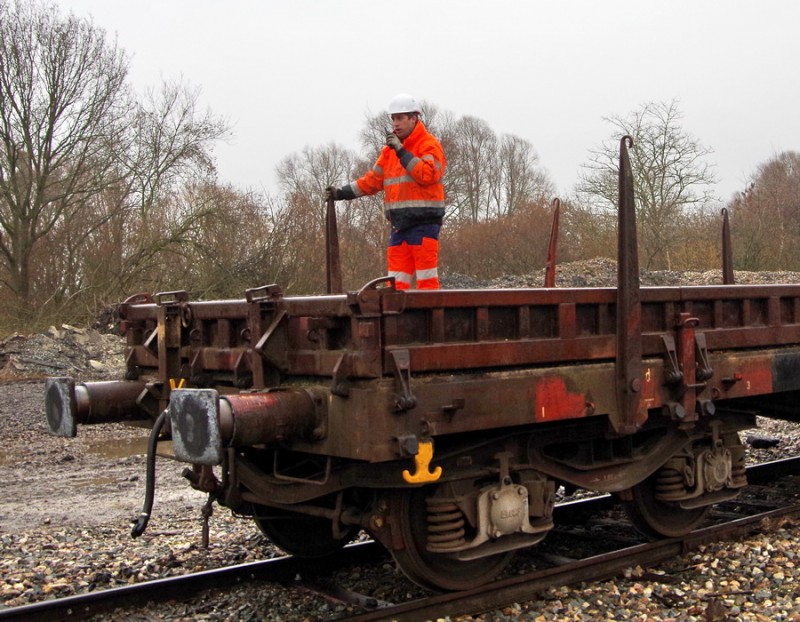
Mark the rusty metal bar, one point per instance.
(334, 267)
(550, 268)
(629, 307)
(444, 330)
(203, 423)
(727, 250)
(68, 403)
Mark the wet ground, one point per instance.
(95, 478)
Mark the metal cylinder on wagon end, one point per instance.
(68, 403)
(203, 422)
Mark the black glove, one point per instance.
(331, 192)
(393, 141)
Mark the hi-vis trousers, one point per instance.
(414, 254)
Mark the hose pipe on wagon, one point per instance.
(140, 523)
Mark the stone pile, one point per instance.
(83, 353)
(602, 272)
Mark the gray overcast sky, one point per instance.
(299, 73)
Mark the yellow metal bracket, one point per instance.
(177, 385)
(422, 462)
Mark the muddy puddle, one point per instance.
(119, 447)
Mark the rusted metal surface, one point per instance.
(526, 341)
(457, 329)
(631, 412)
(727, 250)
(552, 247)
(68, 404)
(204, 423)
(334, 266)
(338, 406)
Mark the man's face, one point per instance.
(403, 123)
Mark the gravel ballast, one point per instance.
(67, 505)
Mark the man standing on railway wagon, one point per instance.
(409, 170)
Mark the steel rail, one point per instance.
(285, 569)
(83, 606)
(595, 568)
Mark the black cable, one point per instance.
(140, 523)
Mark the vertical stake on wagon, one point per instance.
(630, 412)
(334, 270)
(727, 250)
(550, 268)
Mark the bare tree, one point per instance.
(670, 176)
(140, 225)
(166, 158)
(521, 179)
(233, 244)
(472, 168)
(765, 218)
(169, 143)
(373, 134)
(62, 95)
(489, 176)
(361, 223)
(586, 234)
(314, 169)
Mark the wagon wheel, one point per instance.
(660, 519)
(300, 534)
(433, 570)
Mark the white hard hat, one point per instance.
(404, 103)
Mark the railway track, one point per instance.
(538, 568)
(441, 423)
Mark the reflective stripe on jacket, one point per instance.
(411, 180)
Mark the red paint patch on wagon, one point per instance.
(553, 401)
(756, 378)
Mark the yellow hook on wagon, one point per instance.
(422, 462)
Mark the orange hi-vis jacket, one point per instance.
(411, 180)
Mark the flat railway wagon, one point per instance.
(442, 423)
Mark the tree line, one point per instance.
(105, 192)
